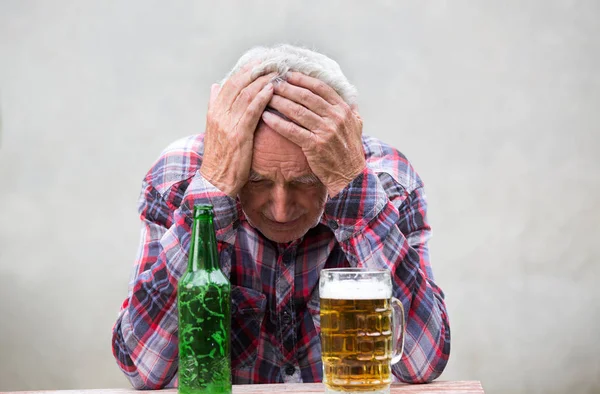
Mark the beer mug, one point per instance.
(362, 330)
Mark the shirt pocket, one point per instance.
(248, 311)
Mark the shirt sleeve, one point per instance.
(380, 224)
(144, 340)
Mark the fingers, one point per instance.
(316, 86)
(296, 112)
(247, 95)
(234, 85)
(298, 135)
(303, 96)
(249, 120)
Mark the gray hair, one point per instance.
(284, 57)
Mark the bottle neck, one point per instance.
(203, 253)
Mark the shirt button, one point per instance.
(333, 224)
(290, 370)
(287, 317)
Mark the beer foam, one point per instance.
(367, 289)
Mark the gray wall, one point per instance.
(496, 103)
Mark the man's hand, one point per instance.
(233, 114)
(324, 126)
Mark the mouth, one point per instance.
(282, 225)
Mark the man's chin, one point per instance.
(281, 237)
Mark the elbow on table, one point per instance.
(144, 384)
(141, 381)
(425, 363)
(421, 378)
(410, 371)
(136, 378)
(416, 377)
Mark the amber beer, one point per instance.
(359, 331)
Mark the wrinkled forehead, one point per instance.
(272, 153)
(268, 141)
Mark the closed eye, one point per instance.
(258, 181)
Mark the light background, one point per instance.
(496, 103)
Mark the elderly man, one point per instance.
(296, 187)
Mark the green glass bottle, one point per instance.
(203, 302)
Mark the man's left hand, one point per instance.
(327, 129)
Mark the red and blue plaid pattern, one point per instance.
(378, 221)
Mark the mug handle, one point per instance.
(397, 330)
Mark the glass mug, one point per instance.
(362, 330)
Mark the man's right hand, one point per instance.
(233, 115)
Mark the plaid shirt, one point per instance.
(377, 221)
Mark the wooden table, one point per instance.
(457, 387)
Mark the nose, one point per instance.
(282, 204)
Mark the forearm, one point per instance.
(378, 232)
(145, 334)
(427, 332)
(149, 361)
